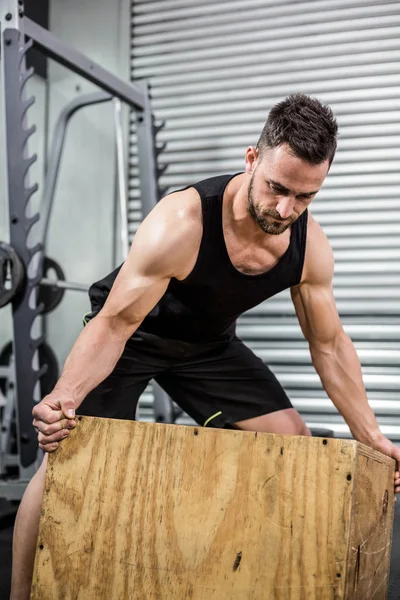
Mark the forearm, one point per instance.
(339, 368)
(92, 358)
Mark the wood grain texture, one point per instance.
(371, 527)
(164, 512)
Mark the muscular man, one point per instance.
(200, 259)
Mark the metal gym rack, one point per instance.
(18, 34)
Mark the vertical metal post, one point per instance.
(7, 417)
(25, 311)
(146, 154)
(11, 13)
(121, 176)
(163, 407)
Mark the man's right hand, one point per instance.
(53, 419)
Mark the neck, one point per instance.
(236, 205)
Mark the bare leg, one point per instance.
(287, 421)
(26, 531)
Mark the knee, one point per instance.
(39, 477)
(43, 465)
(299, 425)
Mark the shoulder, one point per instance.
(179, 209)
(184, 206)
(319, 260)
(171, 233)
(177, 217)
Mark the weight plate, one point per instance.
(12, 274)
(46, 356)
(49, 295)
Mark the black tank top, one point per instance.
(204, 306)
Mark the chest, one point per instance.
(253, 258)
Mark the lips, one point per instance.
(275, 218)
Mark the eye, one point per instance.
(274, 189)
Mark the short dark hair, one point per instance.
(306, 125)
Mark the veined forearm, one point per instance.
(339, 369)
(92, 358)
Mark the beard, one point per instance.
(275, 227)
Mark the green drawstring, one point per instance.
(212, 417)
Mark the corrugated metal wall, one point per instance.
(216, 68)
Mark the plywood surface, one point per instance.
(146, 511)
(371, 527)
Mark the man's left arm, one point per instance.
(333, 354)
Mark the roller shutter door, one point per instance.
(215, 69)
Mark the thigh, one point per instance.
(286, 421)
(114, 398)
(117, 396)
(225, 385)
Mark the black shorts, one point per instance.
(216, 383)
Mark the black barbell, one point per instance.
(13, 279)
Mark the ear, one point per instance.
(251, 159)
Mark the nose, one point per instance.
(285, 207)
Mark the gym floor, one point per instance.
(7, 513)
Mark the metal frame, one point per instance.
(146, 154)
(25, 310)
(55, 154)
(77, 62)
(121, 178)
(14, 28)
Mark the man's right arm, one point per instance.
(166, 245)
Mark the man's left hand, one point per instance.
(382, 444)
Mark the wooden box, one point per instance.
(146, 511)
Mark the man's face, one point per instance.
(281, 187)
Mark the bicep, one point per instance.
(313, 298)
(317, 313)
(159, 250)
(133, 295)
